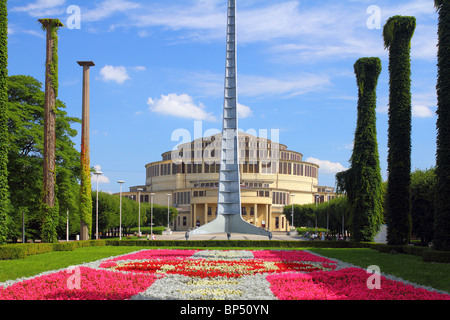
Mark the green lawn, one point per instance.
(35, 264)
(405, 266)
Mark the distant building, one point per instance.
(271, 177)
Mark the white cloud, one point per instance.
(42, 8)
(210, 84)
(244, 111)
(101, 178)
(421, 111)
(300, 84)
(326, 166)
(117, 74)
(107, 8)
(139, 68)
(182, 106)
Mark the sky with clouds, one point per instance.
(160, 68)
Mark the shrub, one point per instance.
(436, 256)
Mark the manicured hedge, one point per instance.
(436, 256)
(20, 251)
(233, 243)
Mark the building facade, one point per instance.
(271, 177)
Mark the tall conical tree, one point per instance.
(366, 198)
(49, 205)
(442, 214)
(397, 34)
(4, 197)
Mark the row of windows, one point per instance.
(279, 198)
(267, 167)
(182, 197)
(290, 156)
(252, 212)
(210, 150)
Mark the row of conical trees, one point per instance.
(362, 181)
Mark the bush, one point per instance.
(64, 246)
(436, 256)
(146, 230)
(8, 252)
(21, 250)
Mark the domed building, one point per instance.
(271, 177)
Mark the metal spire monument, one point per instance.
(229, 218)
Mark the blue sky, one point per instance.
(160, 68)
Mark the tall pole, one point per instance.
(292, 195)
(317, 200)
(151, 214)
(229, 216)
(168, 204)
(85, 199)
(139, 199)
(120, 209)
(67, 226)
(23, 226)
(51, 92)
(4, 193)
(97, 173)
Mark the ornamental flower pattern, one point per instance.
(213, 274)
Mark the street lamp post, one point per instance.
(67, 226)
(168, 204)
(97, 173)
(121, 182)
(328, 199)
(317, 200)
(292, 195)
(151, 214)
(139, 199)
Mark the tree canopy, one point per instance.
(25, 134)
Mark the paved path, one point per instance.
(179, 235)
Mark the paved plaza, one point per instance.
(180, 235)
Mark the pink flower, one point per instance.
(292, 255)
(345, 284)
(157, 254)
(93, 285)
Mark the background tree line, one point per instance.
(423, 203)
(108, 213)
(25, 126)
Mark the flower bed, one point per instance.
(93, 285)
(344, 284)
(213, 268)
(213, 274)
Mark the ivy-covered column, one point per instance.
(442, 214)
(4, 198)
(397, 34)
(86, 187)
(49, 210)
(366, 189)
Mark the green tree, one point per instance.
(423, 195)
(4, 194)
(50, 204)
(160, 215)
(364, 191)
(26, 132)
(333, 211)
(442, 214)
(108, 212)
(397, 34)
